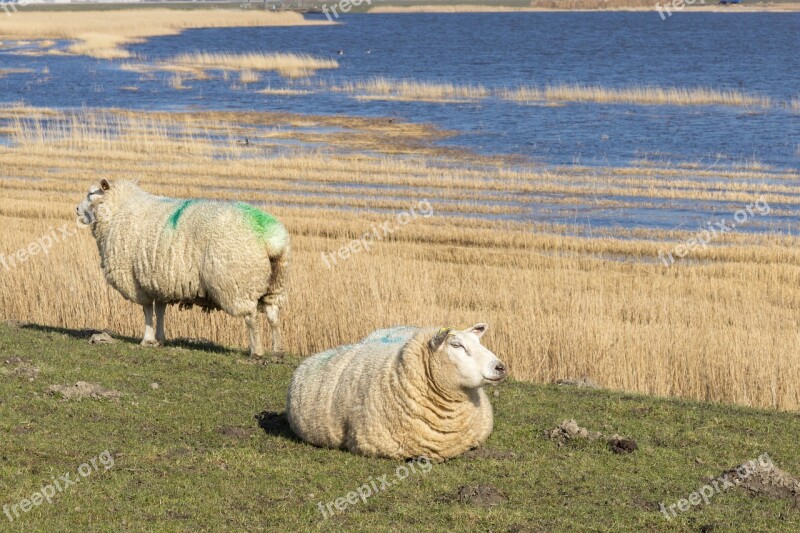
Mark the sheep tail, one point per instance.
(279, 278)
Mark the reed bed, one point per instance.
(644, 95)
(9, 71)
(423, 91)
(286, 64)
(283, 92)
(380, 88)
(248, 76)
(720, 327)
(103, 34)
(407, 178)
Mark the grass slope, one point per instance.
(190, 455)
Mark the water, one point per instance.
(753, 52)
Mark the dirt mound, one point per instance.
(582, 383)
(570, 430)
(22, 368)
(83, 389)
(622, 445)
(481, 495)
(102, 338)
(766, 480)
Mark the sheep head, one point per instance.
(459, 360)
(93, 203)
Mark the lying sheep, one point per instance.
(401, 393)
(158, 251)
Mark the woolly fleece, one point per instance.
(387, 396)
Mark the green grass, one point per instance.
(190, 455)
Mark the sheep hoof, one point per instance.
(150, 343)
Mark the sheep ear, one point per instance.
(479, 329)
(437, 340)
(104, 184)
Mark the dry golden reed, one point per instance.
(249, 76)
(387, 89)
(720, 326)
(647, 95)
(286, 64)
(283, 92)
(380, 88)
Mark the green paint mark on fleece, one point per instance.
(176, 215)
(259, 221)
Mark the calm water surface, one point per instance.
(754, 52)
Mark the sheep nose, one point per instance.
(501, 369)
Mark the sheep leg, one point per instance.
(149, 331)
(254, 327)
(274, 318)
(161, 309)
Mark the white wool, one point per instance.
(214, 254)
(394, 394)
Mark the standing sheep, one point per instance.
(158, 251)
(402, 392)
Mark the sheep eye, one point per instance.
(456, 345)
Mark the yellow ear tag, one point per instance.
(449, 329)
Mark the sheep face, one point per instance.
(87, 210)
(467, 363)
